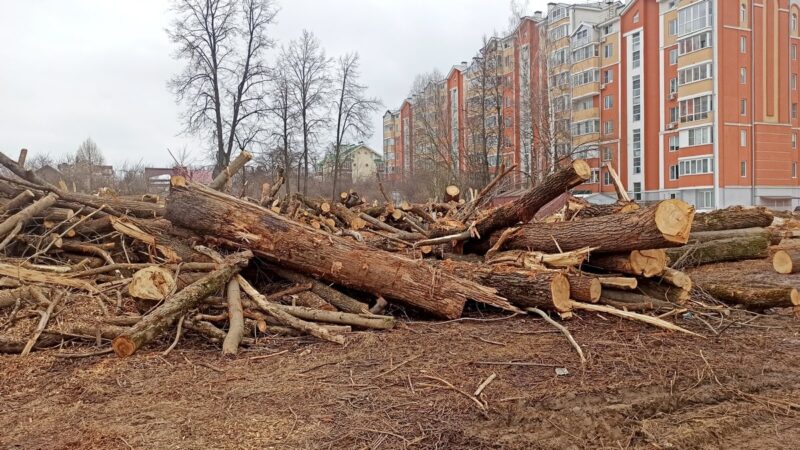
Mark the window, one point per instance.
(595, 176)
(794, 110)
(794, 22)
(608, 127)
(673, 27)
(696, 108)
(673, 85)
(743, 15)
(695, 73)
(673, 56)
(743, 107)
(694, 17)
(636, 17)
(695, 166)
(637, 98)
(637, 151)
(673, 114)
(742, 76)
(606, 178)
(636, 49)
(696, 136)
(584, 53)
(608, 50)
(794, 140)
(743, 44)
(586, 127)
(673, 143)
(794, 52)
(705, 199)
(608, 102)
(509, 122)
(673, 172)
(608, 76)
(742, 138)
(637, 191)
(743, 169)
(606, 154)
(584, 104)
(559, 32)
(588, 76)
(794, 81)
(694, 43)
(607, 30)
(794, 169)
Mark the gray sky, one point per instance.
(73, 69)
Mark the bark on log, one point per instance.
(548, 291)
(677, 279)
(27, 213)
(584, 288)
(230, 345)
(705, 236)
(786, 261)
(356, 320)
(605, 210)
(734, 249)
(18, 202)
(646, 263)
(664, 291)
(732, 218)
(160, 319)
(757, 298)
(311, 300)
(619, 283)
(333, 296)
(241, 224)
(665, 224)
(632, 301)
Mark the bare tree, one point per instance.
(353, 108)
(223, 43)
(40, 160)
(87, 159)
(310, 83)
(284, 115)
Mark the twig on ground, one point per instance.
(561, 328)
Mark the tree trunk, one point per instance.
(664, 291)
(705, 236)
(230, 345)
(665, 224)
(27, 213)
(452, 193)
(735, 217)
(240, 224)
(757, 298)
(645, 263)
(734, 249)
(159, 320)
(219, 181)
(786, 261)
(605, 210)
(18, 202)
(525, 288)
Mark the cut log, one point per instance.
(451, 193)
(625, 283)
(27, 213)
(677, 279)
(646, 263)
(9, 297)
(732, 218)
(151, 283)
(757, 298)
(160, 319)
(522, 258)
(333, 296)
(20, 201)
(351, 219)
(734, 249)
(219, 181)
(665, 224)
(786, 261)
(362, 321)
(664, 291)
(241, 224)
(525, 288)
(705, 236)
(605, 210)
(584, 288)
(311, 300)
(230, 345)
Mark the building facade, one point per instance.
(689, 99)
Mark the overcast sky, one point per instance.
(72, 69)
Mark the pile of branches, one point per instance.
(234, 270)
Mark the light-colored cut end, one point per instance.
(782, 262)
(648, 263)
(177, 181)
(674, 220)
(559, 289)
(123, 346)
(582, 169)
(595, 290)
(151, 283)
(795, 297)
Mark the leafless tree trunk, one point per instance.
(222, 85)
(310, 82)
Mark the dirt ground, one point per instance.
(412, 388)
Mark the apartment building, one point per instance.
(393, 165)
(689, 99)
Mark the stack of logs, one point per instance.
(236, 270)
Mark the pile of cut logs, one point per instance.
(237, 270)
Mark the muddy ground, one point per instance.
(412, 388)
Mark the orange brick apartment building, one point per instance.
(689, 99)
